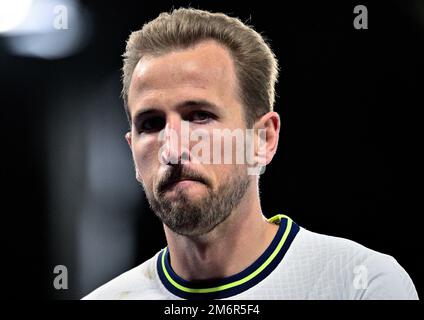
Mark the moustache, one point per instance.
(179, 173)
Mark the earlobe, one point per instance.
(128, 138)
(270, 126)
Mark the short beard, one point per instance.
(194, 218)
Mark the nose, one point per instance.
(175, 149)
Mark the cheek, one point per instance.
(145, 158)
(219, 174)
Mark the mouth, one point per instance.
(185, 182)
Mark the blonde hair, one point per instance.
(255, 64)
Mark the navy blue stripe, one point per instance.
(214, 283)
(236, 277)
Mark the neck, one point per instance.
(226, 250)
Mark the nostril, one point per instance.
(172, 155)
(169, 157)
(185, 157)
(164, 159)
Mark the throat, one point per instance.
(223, 255)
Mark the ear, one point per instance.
(267, 132)
(128, 137)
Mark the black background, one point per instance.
(348, 162)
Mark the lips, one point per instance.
(172, 183)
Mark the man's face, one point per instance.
(195, 87)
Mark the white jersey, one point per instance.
(298, 264)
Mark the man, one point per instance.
(193, 71)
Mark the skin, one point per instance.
(165, 83)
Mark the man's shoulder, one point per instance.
(352, 268)
(139, 282)
(320, 245)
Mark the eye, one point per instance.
(200, 116)
(150, 125)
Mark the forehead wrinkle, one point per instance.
(174, 79)
(159, 95)
(197, 63)
(189, 68)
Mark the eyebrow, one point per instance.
(182, 105)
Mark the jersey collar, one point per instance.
(227, 287)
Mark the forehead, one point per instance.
(206, 70)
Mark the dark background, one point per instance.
(348, 161)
